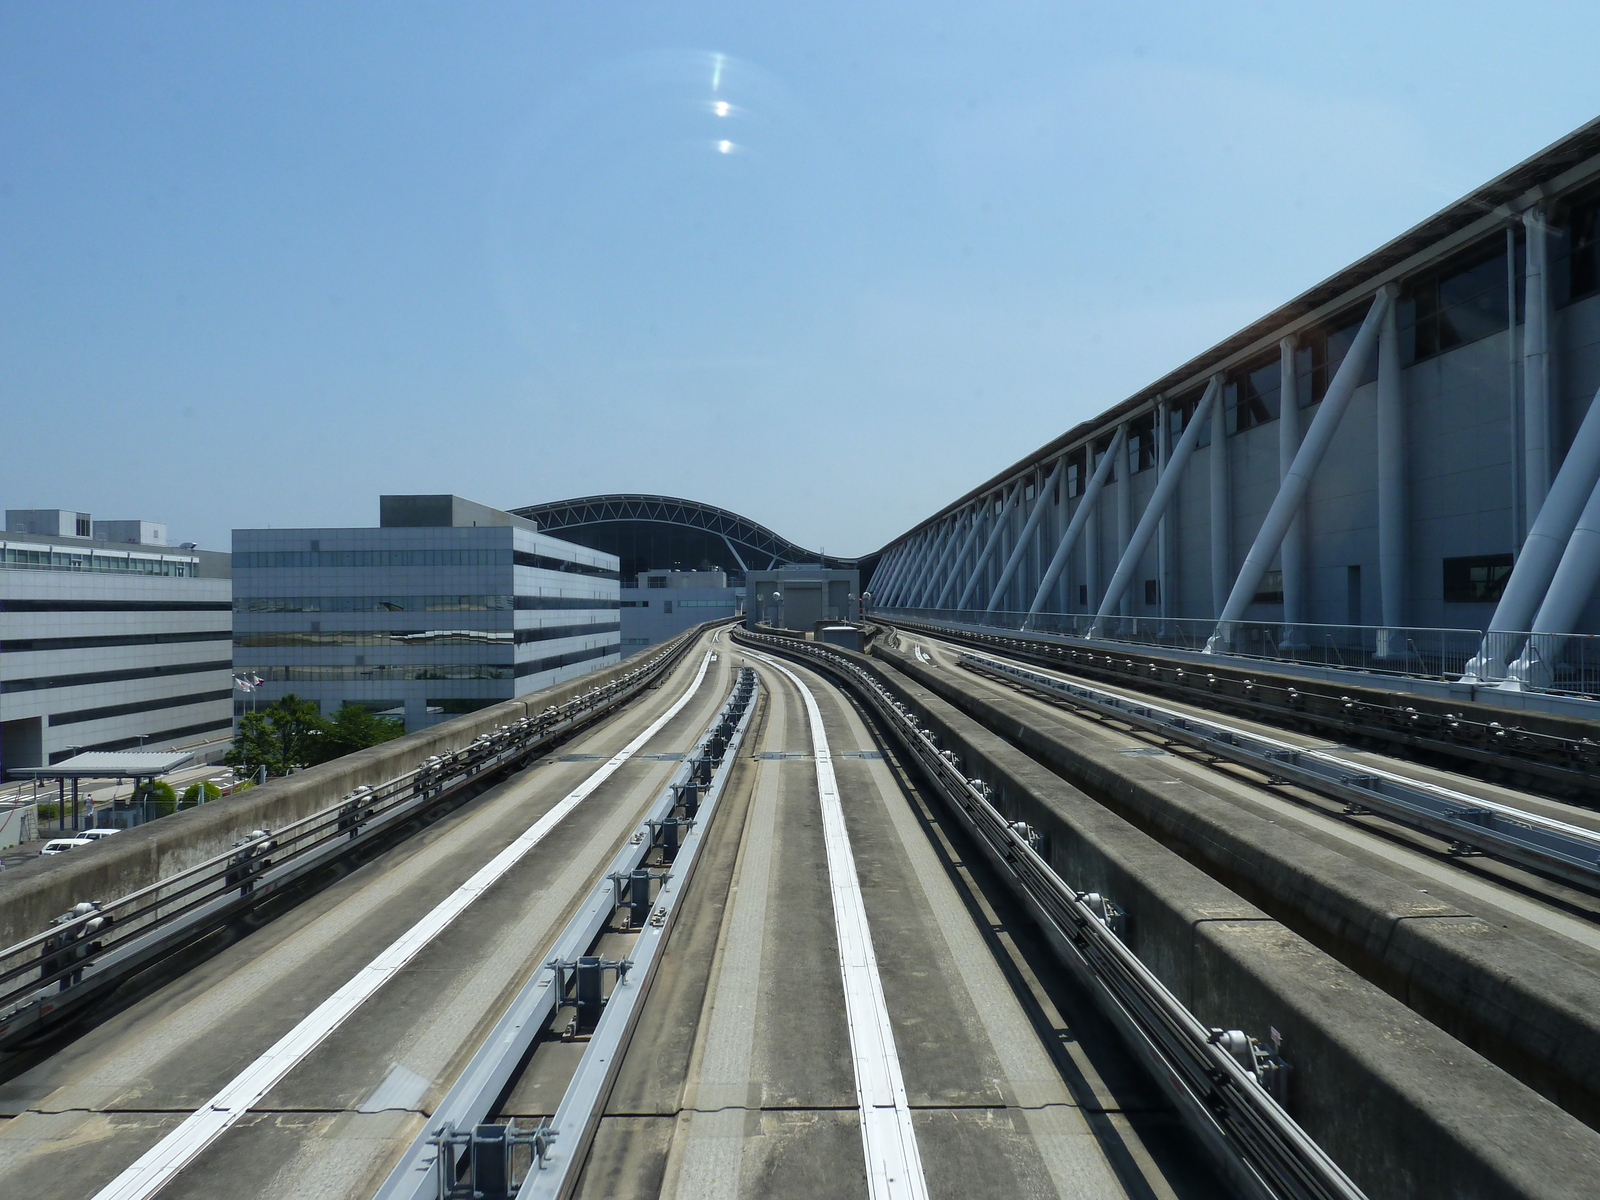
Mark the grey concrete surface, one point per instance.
(1528, 1002)
(336, 1122)
(1411, 1101)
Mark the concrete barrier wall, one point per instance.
(32, 896)
(1402, 1106)
(1527, 1007)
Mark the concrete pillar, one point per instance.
(1292, 558)
(1291, 494)
(1075, 527)
(1391, 481)
(1221, 505)
(1166, 487)
(1536, 406)
(1519, 515)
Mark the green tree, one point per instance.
(203, 792)
(354, 727)
(280, 737)
(160, 797)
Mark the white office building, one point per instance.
(662, 604)
(448, 606)
(109, 640)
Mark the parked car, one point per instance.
(62, 845)
(97, 835)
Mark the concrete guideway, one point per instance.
(888, 1141)
(158, 1165)
(1466, 943)
(138, 1074)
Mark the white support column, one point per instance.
(929, 591)
(1391, 484)
(989, 544)
(1569, 593)
(1292, 558)
(908, 566)
(1519, 516)
(1536, 422)
(1221, 504)
(1086, 506)
(1024, 539)
(947, 589)
(882, 585)
(1166, 488)
(1543, 549)
(1124, 514)
(1292, 493)
(1164, 527)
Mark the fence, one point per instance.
(1535, 662)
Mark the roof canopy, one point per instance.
(130, 764)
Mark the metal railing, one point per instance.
(1560, 663)
(100, 941)
(1471, 824)
(1218, 1079)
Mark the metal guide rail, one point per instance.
(1470, 824)
(1570, 762)
(461, 1154)
(47, 977)
(1224, 1083)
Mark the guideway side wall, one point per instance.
(1402, 1106)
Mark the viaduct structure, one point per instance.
(1385, 467)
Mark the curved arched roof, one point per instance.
(751, 546)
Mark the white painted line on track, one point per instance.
(156, 1167)
(888, 1141)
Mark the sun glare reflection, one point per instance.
(725, 147)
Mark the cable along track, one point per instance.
(1220, 1081)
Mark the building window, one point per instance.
(1075, 480)
(85, 529)
(666, 606)
(1083, 593)
(1252, 396)
(1578, 249)
(1152, 592)
(1180, 412)
(656, 581)
(1479, 579)
(1271, 589)
(1142, 442)
(1457, 305)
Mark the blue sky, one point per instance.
(828, 265)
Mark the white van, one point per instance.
(62, 845)
(96, 835)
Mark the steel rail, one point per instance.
(1471, 824)
(560, 1145)
(45, 977)
(1256, 1143)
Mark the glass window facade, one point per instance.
(337, 604)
